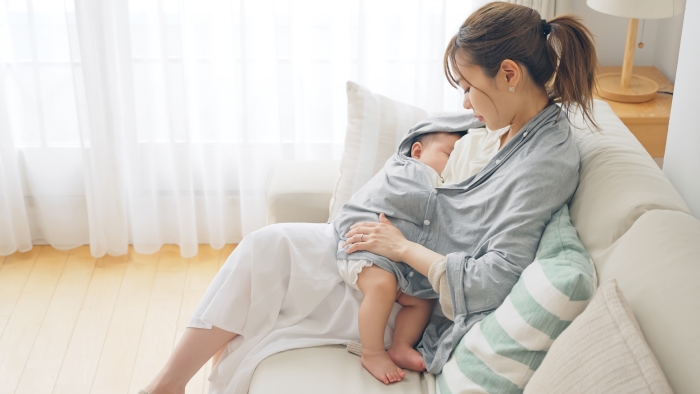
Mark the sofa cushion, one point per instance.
(376, 125)
(603, 351)
(657, 265)
(500, 353)
(299, 191)
(618, 182)
(328, 369)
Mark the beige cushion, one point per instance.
(602, 351)
(328, 369)
(619, 182)
(299, 191)
(376, 125)
(657, 266)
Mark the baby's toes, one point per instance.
(394, 376)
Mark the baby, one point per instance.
(447, 158)
(380, 287)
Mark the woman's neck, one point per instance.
(530, 109)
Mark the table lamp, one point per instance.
(627, 87)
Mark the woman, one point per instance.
(280, 288)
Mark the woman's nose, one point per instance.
(467, 104)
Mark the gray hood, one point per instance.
(444, 123)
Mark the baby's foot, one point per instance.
(407, 357)
(380, 365)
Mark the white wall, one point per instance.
(661, 39)
(668, 43)
(682, 158)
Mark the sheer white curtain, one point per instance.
(147, 122)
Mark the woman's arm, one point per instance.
(386, 240)
(419, 257)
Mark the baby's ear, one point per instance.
(416, 150)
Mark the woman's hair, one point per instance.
(559, 55)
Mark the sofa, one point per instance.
(635, 226)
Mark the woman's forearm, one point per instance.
(419, 257)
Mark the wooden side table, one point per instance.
(648, 121)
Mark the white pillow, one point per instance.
(656, 265)
(376, 125)
(603, 351)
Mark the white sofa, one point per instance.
(634, 224)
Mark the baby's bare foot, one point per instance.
(381, 367)
(405, 356)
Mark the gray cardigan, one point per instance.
(488, 226)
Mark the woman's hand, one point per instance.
(382, 238)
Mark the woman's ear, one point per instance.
(416, 150)
(512, 72)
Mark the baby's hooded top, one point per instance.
(488, 226)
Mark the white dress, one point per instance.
(280, 289)
(471, 153)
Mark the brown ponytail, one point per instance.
(562, 62)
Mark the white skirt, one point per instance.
(280, 289)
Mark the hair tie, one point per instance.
(546, 28)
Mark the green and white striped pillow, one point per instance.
(500, 353)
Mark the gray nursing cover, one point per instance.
(401, 191)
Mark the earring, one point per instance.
(511, 89)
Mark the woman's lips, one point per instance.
(481, 118)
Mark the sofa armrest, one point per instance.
(300, 191)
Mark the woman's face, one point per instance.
(488, 97)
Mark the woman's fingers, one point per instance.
(357, 246)
(360, 230)
(365, 224)
(355, 239)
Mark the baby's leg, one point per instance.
(379, 288)
(410, 323)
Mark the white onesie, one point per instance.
(471, 153)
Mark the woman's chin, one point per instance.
(492, 126)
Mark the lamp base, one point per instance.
(641, 89)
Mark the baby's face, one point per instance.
(436, 152)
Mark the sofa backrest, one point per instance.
(639, 231)
(618, 183)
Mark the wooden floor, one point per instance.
(71, 323)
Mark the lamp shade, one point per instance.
(638, 9)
